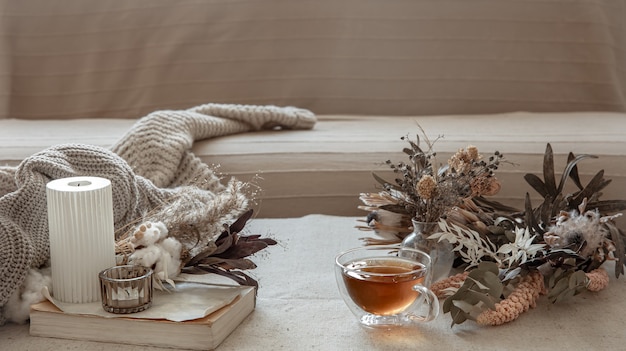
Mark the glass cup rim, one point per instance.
(146, 273)
(382, 247)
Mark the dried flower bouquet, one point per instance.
(510, 257)
(425, 191)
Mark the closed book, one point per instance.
(46, 320)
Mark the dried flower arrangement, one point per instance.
(425, 191)
(190, 233)
(511, 257)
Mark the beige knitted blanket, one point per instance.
(152, 162)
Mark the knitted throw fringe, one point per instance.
(151, 163)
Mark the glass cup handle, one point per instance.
(427, 299)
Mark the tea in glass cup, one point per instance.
(384, 285)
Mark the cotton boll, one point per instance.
(166, 267)
(37, 279)
(148, 233)
(146, 256)
(173, 246)
(17, 309)
(152, 236)
(162, 229)
(169, 264)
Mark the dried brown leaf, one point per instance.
(571, 170)
(618, 236)
(608, 206)
(596, 184)
(536, 183)
(244, 249)
(237, 276)
(206, 252)
(240, 223)
(548, 172)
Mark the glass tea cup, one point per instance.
(384, 285)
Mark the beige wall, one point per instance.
(107, 58)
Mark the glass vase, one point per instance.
(441, 252)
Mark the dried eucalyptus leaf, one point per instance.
(567, 285)
(493, 283)
(464, 306)
(447, 304)
(507, 290)
(477, 282)
(458, 295)
(467, 296)
(559, 288)
(458, 317)
(580, 280)
(485, 298)
(565, 295)
(488, 266)
(573, 282)
(554, 277)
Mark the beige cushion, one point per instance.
(323, 170)
(124, 59)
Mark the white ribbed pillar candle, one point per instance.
(82, 239)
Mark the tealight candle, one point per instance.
(126, 289)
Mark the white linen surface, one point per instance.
(299, 307)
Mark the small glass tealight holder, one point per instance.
(126, 289)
